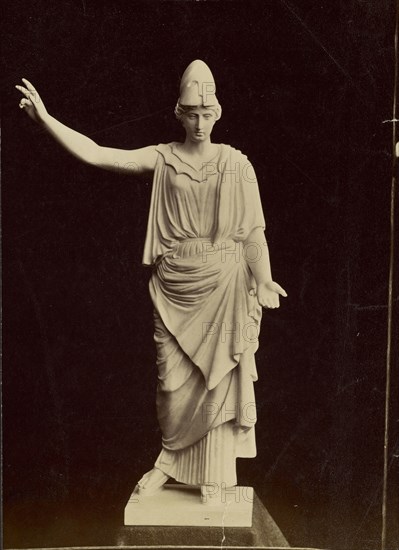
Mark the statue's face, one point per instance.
(198, 123)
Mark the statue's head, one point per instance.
(197, 91)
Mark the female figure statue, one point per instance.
(211, 277)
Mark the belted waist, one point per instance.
(205, 240)
(201, 245)
(193, 239)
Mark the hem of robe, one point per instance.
(212, 459)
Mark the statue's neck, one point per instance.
(198, 149)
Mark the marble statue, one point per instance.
(211, 277)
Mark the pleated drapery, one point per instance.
(206, 319)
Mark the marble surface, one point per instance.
(181, 505)
(263, 532)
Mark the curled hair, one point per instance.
(181, 110)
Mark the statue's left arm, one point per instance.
(257, 256)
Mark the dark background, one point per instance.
(305, 88)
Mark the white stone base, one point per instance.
(181, 505)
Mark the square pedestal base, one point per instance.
(263, 532)
(180, 505)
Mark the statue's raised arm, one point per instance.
(82, 147)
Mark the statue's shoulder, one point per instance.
(164, 148)
(234, 154)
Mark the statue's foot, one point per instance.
(151, 482)
(211, 494)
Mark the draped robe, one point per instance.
(206, 319)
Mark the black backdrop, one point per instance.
(305, 88)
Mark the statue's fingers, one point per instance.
(28, 94)
(272, 301)
(29, 85)
(33, 94)
(25, 91)
(25, 103)
(279, 289)
(267, 303)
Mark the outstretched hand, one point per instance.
(32, 102)
(268, 294)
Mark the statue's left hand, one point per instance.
(268, 294)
